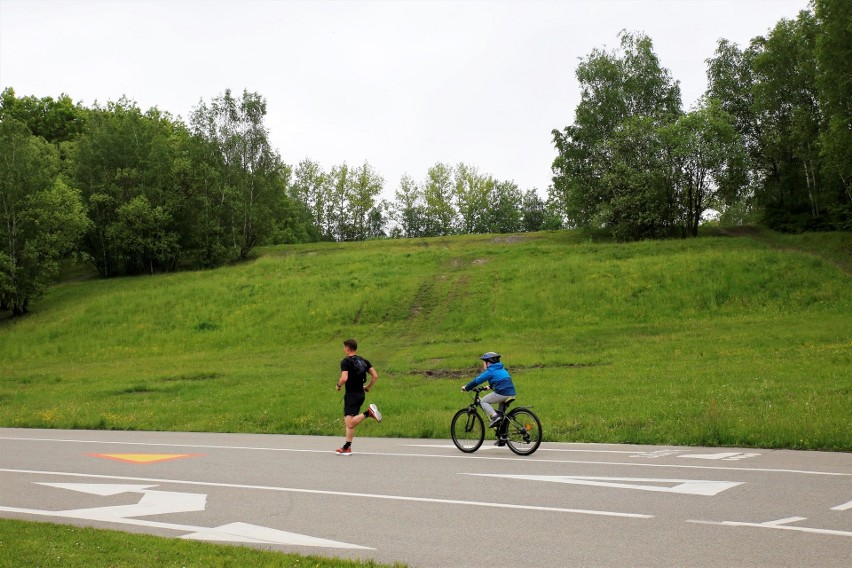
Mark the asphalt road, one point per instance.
(424, 503)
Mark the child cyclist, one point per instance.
(499, 381)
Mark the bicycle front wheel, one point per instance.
(523, 431)
(468, 430)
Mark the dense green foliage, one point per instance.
(149, 194)
(609, 170)
(735, 341)
(769, 142)
(43, 218)
(834, 87)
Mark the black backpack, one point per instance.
(360, 365)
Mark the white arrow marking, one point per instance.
(163, 502)
(102, 489)
(728, 456)
(152, 502)
(780, 524)
(656, 454)
(243, 532)
(682, 486)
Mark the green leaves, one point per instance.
(248, 171)
(710, 156)
(41, 218)
(609, 170)
(771, 131)
(789, 95)
(833, 52)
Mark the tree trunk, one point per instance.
(814, 206)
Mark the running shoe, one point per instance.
(374, 412)
(344, 451)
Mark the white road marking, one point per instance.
(781, 522)
(338, 494)
(681, 486)
(244, 532)
(234, 532)
(165, 502)
(777, 525)
(484, 446)
(729, 456)
(152, 502)
(655, 454)
(102, 489)
(662, 453)
(487, 446)
(459, 455)
(844, 507)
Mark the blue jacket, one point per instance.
(499, 379)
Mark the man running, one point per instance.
(353, 374)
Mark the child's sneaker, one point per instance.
(344, 451)
(374, 412)
(496, 420)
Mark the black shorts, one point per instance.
(352, 402)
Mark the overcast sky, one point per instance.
(401, 84)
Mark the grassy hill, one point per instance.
(734, 339)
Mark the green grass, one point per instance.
(733, 339)
(720, 340)
(46, 545)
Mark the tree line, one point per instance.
(770, 142)
(136, 192)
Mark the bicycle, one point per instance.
(520, 428)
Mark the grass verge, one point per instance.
(46, 545)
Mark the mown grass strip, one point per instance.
(48, 545)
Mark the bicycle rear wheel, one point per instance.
(468, 430)
(523, 431)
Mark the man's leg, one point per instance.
(352, 413)
(351, 418)
(351, 423)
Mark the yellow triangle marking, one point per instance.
(143, 458)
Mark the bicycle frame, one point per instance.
(504, 406)
(504, 422)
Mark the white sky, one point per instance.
(401, 84)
